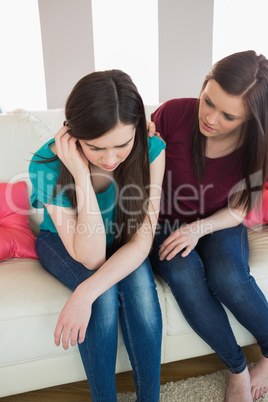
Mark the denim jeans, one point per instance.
(135, 301)
(216, 272)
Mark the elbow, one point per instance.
(93, 262)
(92, 265)
(90, 254)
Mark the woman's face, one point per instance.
(111, 149)
(220, 114)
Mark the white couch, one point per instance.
(31, 299)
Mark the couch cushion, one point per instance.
(29, 310)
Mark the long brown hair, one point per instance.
(242, 74)
(97, 103)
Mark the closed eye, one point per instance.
(94, 149)
(228, 117)
(208, 102)
(118, 146)
(123, 146)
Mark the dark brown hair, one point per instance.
(97, 103)
(242, 74)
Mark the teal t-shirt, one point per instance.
(44, 177)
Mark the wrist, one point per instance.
(82, 176)
(83, 182)
(202, 227)
(89, 292)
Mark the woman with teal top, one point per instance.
(99, 183)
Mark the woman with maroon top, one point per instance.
(216, 167)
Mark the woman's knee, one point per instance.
(228, 279)
(227, 247)
(57, 261)
(181, 272)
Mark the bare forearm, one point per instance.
(89, 240)
(222, 219)
(122, 263)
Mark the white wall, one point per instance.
(183, 56)
(247, 27)
(126, 37)
(22, 80)
(185, 46)
(67, 38)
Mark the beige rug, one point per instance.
(208, 388)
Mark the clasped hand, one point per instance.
(183, 239)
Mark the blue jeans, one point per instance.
(216, 272)
(135, 299)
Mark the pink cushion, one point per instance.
(259, 216)
(16, 238)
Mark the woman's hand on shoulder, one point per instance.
(70, 153)
(184, 239)
(152, 130)
(74, 318)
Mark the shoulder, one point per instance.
(155, 146)
(157, 168)
(172, 114)
(48, 150)
(38, 163)
(175, 107)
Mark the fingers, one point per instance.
(63, 132)
(151, 129)
(173, 249)
(178, 249)
(73, 319)
(64, 142)
(82, 334)
(174, 244)
(63, 332)
(73, 337)
(57, 333)
(169, 241)
(186, 252)
(64, 335)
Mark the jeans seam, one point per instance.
(135, 362)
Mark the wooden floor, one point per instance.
(175, 371)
